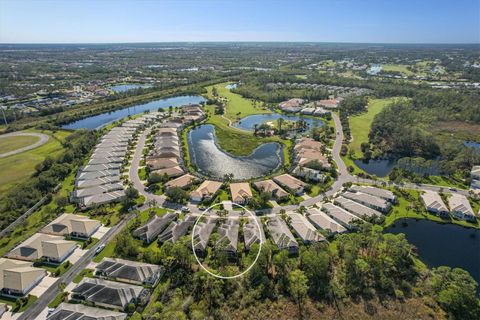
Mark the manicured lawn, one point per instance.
(17, 168)
(108, 251)
(58, 299)
(236, 105)
(85, 273)
(360, 124)
(397, 68)
(8, 144)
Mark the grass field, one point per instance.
(17, 168)
(8, 144)
(397, 68)
(360, 124)
(236, 105)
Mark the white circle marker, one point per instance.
(259, 248)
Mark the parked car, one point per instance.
(99, 249)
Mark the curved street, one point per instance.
(43, 139)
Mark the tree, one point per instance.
(315, 262)
(298, 287)
(176, 195)
(455, 291)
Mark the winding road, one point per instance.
(43, 139)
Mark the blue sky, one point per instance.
(384, 21)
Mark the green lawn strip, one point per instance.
(85, 273)
(56, 270)
(58, 299)
(17, 168)
(360, 124)
(108, 251)
(397, 68)
(142, 174)
(12, 143)
(14, 303)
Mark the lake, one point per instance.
(443, 244)
(103, 119)
(212, 161)
(248, 123)
(128, 86)
(231, 86)
(378, 167)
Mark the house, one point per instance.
(303, 228)
(241, 192)
(324, 222)
(102, 198)
(201, 235)
(70, 311)
(85, 175)
(169, 172)
(102, 160)
(161, 163)
(128, 271)
(73, 225)
(253, 233)
(166, 132)
(292, 105)
(52, 249)
(340, 215)
(82, 184)
(281, 235)
(329, 104)
(373, 202)
(307, 111)
(272, 188)
(206, 191)
(109, 294)
(321, 112)
(81, 193)
(181, 182)
(101, 167)
(228, 239)
(150, 230)
(373, 191)
(309, 174)
(356, 208)
(177, 229)
(312, 158)
(434, 203)
(460, 207)
(17, 277)
(292, 184)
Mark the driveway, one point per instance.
(43, 286)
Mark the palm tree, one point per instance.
(255, 129)
(280, 123)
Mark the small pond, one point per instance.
(442, 244)
(472, 144)
(212, 161)
(128, 86)
(378, 167)
(231, 86)
(103, 119)
(249, 122)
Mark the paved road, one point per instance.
(43, 139)
(50, 294)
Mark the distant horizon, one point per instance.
(325, 21)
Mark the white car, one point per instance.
(99, 249)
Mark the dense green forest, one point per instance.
(367, 266)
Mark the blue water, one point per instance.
(443, 244)
(248, 123)
(129, 86)
(212, 161)
(231, 86)
(472, 144)
(103, 119)
(374, 69)
(378, 167)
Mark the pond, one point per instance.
(212, 161)
(231, 86)
(103, 119)
(128, 86)
(382, 167)
(472, 144)
(442, 244)
(249, 122)
(378, 167)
